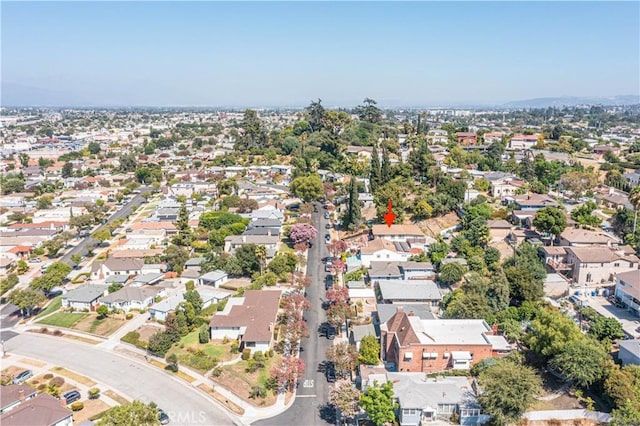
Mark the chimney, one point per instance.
(21, 395)
(494, 328)
(269, 232)
(410, 313)
(399, 309)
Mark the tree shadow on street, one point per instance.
(328, 413)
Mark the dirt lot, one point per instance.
(147, 331)
(91, 408)
(239, 382)
(10, 372)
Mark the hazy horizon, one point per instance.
(218, 54)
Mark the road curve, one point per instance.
(184, 404)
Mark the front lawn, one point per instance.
(199, 356)
(53, 306)
(63, 319)
(100, 326)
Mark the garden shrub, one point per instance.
(57, 381)
(246, 354)
(77, 406)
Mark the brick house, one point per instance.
(409, 343)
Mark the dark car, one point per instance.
(330, 372)
(55, 292)
(328, 282)
(26, 374)
(71, 396)
(327, 304)
(163, 417)
(327, 238)
(327, 226)
(327, 330)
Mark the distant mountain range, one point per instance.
(573, 101)
(12, 94)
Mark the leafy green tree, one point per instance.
(176, 257)
(369, 112)
(395, 193)
(102, 311)
(606, 329)
(161, 342)
(26, 300)
(254, 135)
(24, 159)
(626, 415)
(550, 332)
(203, 334)
(308, 188)
(282, 264)
(378, 403)
(195, 299)
(216, 220)
(128, 163)
(581, 361)
(113, 287)
(524, 285)
(465, 305)
(172, 362)
(551, 220)
(316, 114)
(247, 259)
(622, 384)
(375, 177)
(344, 356)
(345, 397)
(94, 148)
(135, 413)
(478, 232)
(385, 168)
(76, 258)
(579, 182)
(583, 214)
(451, 273)
(491, 257)
(102, 234)
(353, 216)
(508, 390)
(369, 350)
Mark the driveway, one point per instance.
(134, 380)
(310, 406)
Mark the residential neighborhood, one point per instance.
(266, 268)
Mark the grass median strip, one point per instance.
(74, 376)
(117, 398)
(224, 401)
(32, 362)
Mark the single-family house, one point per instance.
(533, 202)
(422, 400)
(41, 410)
(211, 295)
(84, 297)
(520, 141)
(147, 279)
(506, 186)
(251, 319)
(409, 343)
(409, 291)
(384, 311)
(232, 242)
(116, 266)
(466, 138)
(578, 237)
(128, 298)
(629, 352)
(213, 278)
(12, 395)
(358, 332)
(399, 233)
(628, 290)
(159, 311)
(599, 264)
(381, 249)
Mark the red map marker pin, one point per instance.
(389, 217)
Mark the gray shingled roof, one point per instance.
(86, 293)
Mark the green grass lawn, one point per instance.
(54, 305)
(63, 319)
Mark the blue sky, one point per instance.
(241, 54)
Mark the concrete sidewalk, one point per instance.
(251, 412)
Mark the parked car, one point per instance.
(26, 374)
(54, 292)
(35, 260)
(71, 396)
(327, 238)
(163, 417)
(327, 215)
(327, 226)
(330, 372)
(327, 330)
(328, 282)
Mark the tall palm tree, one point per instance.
(634, 199)
(261, 254)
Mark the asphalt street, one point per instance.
(184, 404)
(9, 316)
(310, 407)
(86, 244)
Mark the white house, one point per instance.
(128, 298)
(213, 278)
(84, 297)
